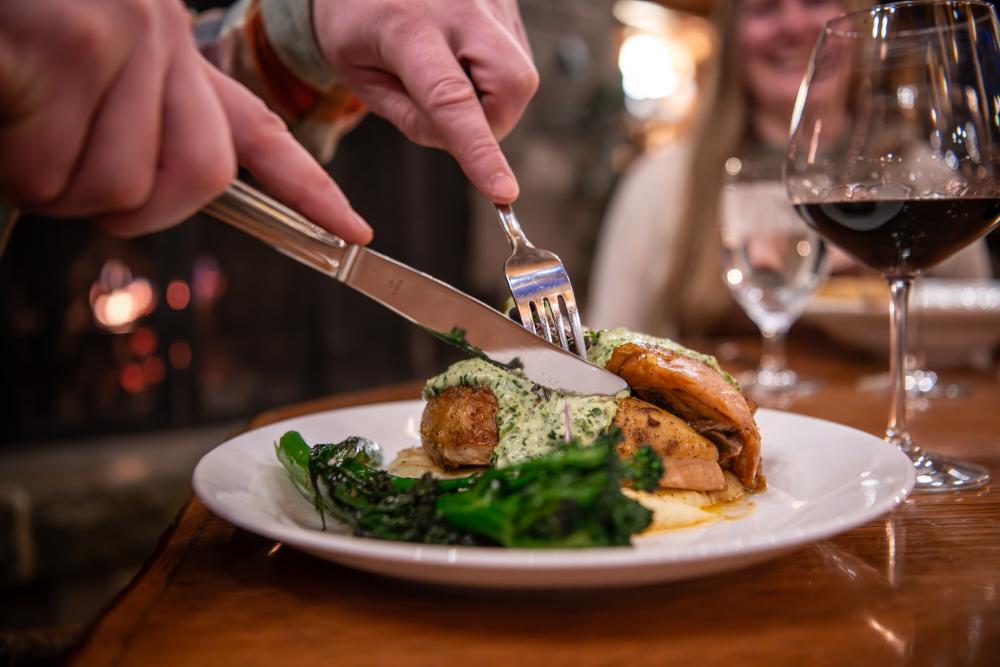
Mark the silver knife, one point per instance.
(424, 300)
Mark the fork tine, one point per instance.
(527, 319)
(541, 288)
(551, 313)
(574, 320)
(543, 320)
(557, 310)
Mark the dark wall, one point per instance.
(279, 332)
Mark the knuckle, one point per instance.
(524, 84)
(141, 14)
(175, 18)
(122, 226)
(482, 150)
(396, 22)
(266, 128)
(449, 93)
(41, 187)
(313, 181)
(126, 194)
(397, 14)
(210, 172)
(84, 36)
(130, 225)
(410, 125)
(221, 174)
(401, 31)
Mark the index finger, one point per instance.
(439, 86)
(265, 146)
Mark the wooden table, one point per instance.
(920, 586)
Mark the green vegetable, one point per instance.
(644, 470)
(293, 453)
(457, 338)
(569, 498)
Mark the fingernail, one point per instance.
(503, 187)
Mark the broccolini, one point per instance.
(569, 498)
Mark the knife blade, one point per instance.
(422, 299)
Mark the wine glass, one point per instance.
(903, 169)
(772, 263)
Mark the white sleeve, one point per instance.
(970, 262)
(632, 255)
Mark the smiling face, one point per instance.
(776, 38)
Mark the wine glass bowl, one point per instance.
(772, 263)
(903, 172)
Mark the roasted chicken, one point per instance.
(459, 427)
(701, 397)
(697, 421)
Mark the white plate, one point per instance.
(954, 322)
(823, 479)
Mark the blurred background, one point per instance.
(124, 361)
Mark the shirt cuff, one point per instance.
(289, 28)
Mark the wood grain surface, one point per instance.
(919, 586)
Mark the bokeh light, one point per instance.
(179, 354)
(132, 379)
(143, 341)
(178, 294)
(153, 370)
(117, 299)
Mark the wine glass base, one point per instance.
(941, 474)
(777, 390)
(917, 387)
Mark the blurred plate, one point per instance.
(823, 479)
(954, 322)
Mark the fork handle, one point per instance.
(513, 228)
(253, 212)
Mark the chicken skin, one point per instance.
(701, 397)
(459, 427)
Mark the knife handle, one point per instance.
(253, 212)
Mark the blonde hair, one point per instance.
(715, 134)
(696, 298)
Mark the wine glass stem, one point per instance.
(772, 356)
(896, 432)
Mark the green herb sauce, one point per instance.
(531, 420)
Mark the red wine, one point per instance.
(902, 237)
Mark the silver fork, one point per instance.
(541, 288)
